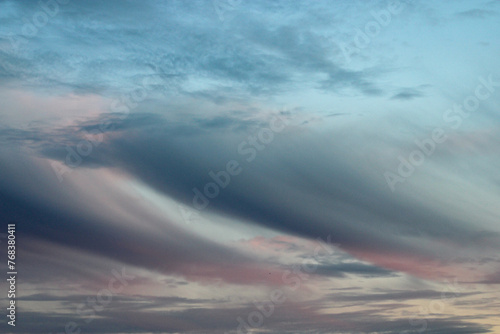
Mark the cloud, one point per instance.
(397, 296)
(286, 318)
(158, 245)
(407, 94)
(477, 13)
(340, 270)
(266, 55)
(117, 114)
(341, 200)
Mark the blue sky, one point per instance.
(343, 154)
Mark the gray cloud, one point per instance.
(477, 13)
(339, 270)
(335, 197)
(407, 94)
(217, 70)
(265, 55)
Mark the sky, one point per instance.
(233, 166)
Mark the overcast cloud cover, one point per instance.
(234, 166)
